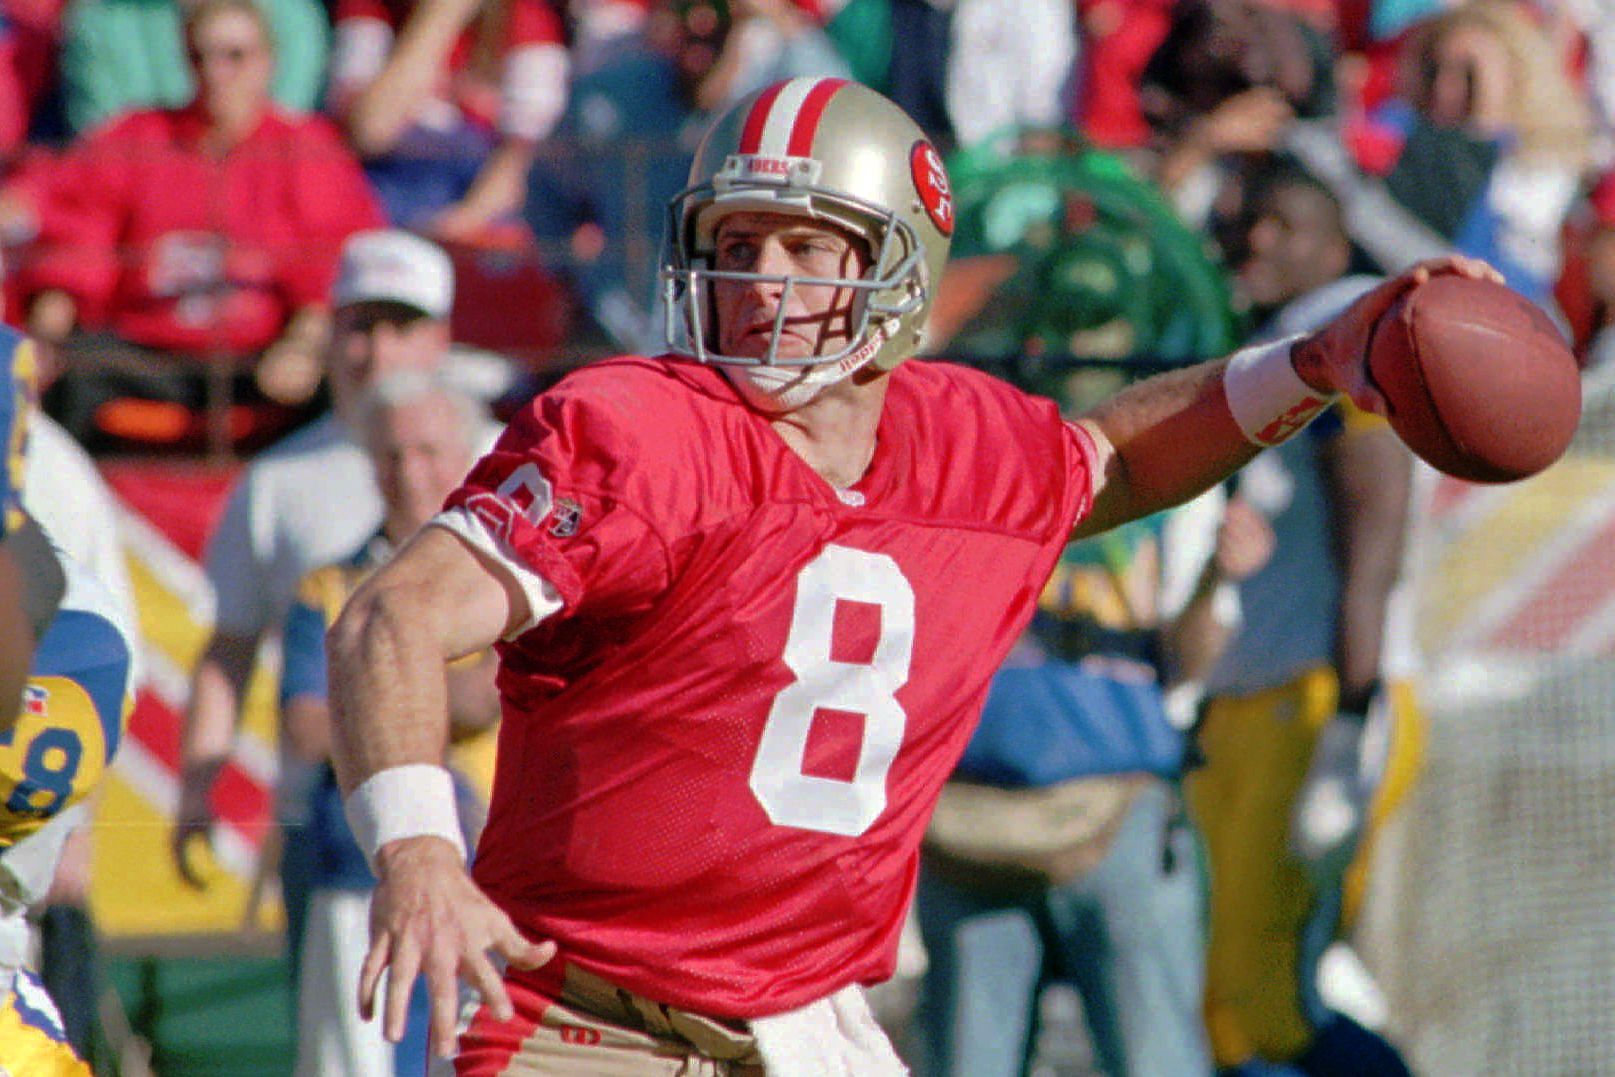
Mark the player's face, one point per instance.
(420, 453)
(1296, 245)
(818, 318)
(371, 339)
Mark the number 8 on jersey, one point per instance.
(787, 794)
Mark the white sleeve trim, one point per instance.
(542, 597)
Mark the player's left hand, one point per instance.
(428, 918)
(1335, 358)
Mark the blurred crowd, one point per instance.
(176, 178)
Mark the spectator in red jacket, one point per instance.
(208, 232)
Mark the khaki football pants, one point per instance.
(599, 1030)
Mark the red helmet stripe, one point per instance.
(751, 135)
(807, 118)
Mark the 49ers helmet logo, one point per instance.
(931, 184)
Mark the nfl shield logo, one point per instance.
(565, 517)
(33, 699)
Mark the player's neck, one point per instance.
(835, 433)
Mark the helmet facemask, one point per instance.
(891, 287)
(834, 153)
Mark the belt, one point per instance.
(723, 1040)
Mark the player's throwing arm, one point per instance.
(1402, 350)
(433, 602)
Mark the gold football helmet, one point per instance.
(830, 150)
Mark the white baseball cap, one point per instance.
(392, 265)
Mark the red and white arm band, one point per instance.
(1267, 397)
(403, 802)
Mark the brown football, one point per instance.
(1480, 382)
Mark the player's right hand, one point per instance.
(428, 918)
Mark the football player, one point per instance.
(75, 703)
(62, 719)
(748, 597)
(31, 581)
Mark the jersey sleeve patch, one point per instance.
(567, 497)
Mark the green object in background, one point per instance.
(119, 55)
(210, 1017)
(1106, 269)
(862, 32)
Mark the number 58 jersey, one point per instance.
(74, 706)
(719, 753)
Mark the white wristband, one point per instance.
(403, 802)
(1268, 398)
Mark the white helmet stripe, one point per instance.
(837, 153)
(782, 123)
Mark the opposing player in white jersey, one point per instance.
(64, 675)
(75, 703)
(748, 598)
(31, 580)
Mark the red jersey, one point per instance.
(171, 248)
(717, 760)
